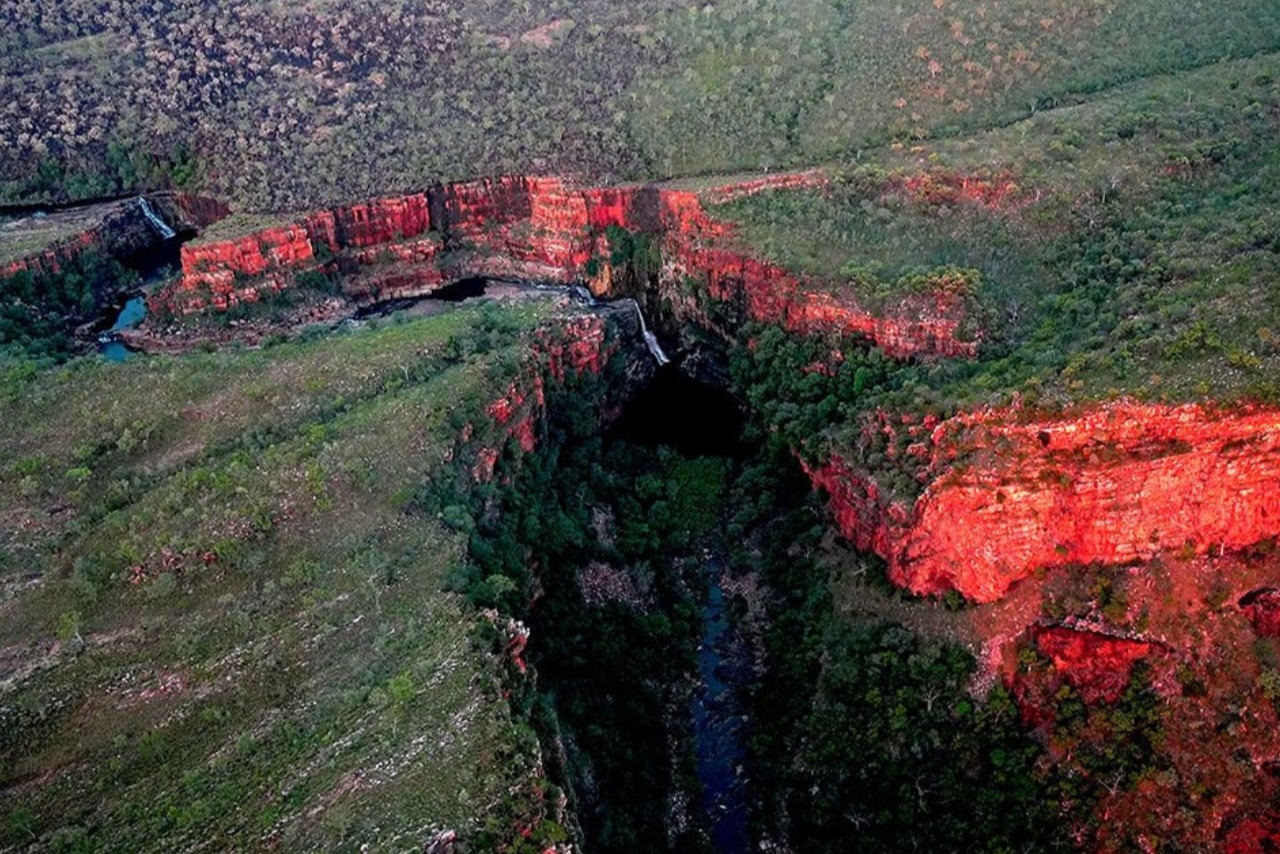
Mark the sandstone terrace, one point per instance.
(1005, 496)
(1133, 254)
(1162, 660)
(545, 229)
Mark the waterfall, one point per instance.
(160, 226)
(650, 340)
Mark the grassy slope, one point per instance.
(1137, 254)
(313, 684)
(282, 110)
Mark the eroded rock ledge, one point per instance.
(547, 229)
(124, 232)
(1002, 493)
(1005, 494)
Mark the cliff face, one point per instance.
(1120, 483)
(1001, 496)
(123, 233)
(545, 229)
(52, 259)
(1263, 609)
(574, 346)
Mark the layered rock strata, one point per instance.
(545, 229)
(124, 233)
(1003, 495)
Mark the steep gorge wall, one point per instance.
(121, 234)
(1004, 496)
(545, 229)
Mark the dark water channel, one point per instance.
(697, 419)
(719, 720)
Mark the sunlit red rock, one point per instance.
(949, 187)
(547, 229)
(781, 181)
(577, 345)
(1172, 629)
(1004, 495)
(123, 231)
(1096, 665)
(52, 259)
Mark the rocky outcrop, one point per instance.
(576, 345)
(1262, 607)
(549, 230)
(124, 233)
(922, 324)
(53, 259)
(1098, 666)
(1005, 494)
(809, 178)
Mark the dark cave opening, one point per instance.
(157, 261)
(463, 289)
(677, 411)
(454, 292)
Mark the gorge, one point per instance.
(1073, 542)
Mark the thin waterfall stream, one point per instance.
(162, 228)
(650, 340)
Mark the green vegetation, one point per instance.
(39, 311)
(266, 599)
(1123, 245)
(228, 622)
(282, 108)
(758, 84)
(612, 675)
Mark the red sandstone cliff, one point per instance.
(1001, 496)
(546, 229)
(576, 346)
(121, 231)
(50, 260)
(1004, 496)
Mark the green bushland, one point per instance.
(283, 663)
(1134, 257)
(760, 84)
(612, 679)
(855, 719)
(39, 311)
(283, 109)
(312, 555)
(865, 735)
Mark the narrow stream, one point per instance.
(719, 721)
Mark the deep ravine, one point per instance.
(719, 718)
